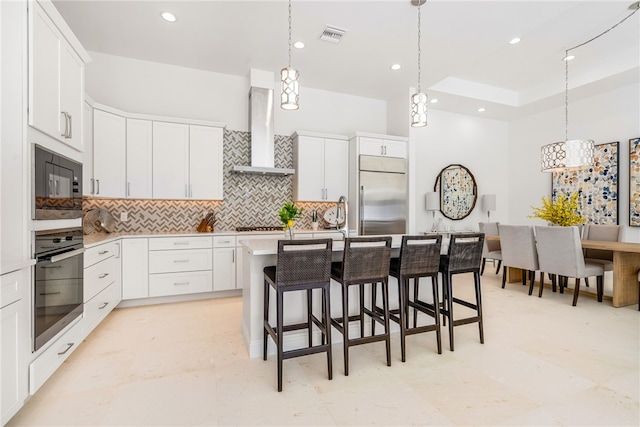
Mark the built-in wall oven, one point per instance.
(57, 289)
(57, 186)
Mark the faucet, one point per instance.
(345, 228)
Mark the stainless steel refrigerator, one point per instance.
(383, 195)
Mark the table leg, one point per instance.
(625, 278)
(514, 275)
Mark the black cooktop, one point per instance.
(260, 228)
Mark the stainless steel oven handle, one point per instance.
(66, 255)
(51, 266)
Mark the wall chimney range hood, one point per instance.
(262, 140)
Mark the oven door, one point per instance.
(57, 294)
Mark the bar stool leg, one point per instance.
(436, 311)
(402, 291)
(361, 296)
(327, 326)
(449, 307)
(266, 319)
(280, 328)
(385, 301)
(415, 298)
(309, 322)
(374, 297)
(476, 278)
(345, 327)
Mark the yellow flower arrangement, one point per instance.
(563, 212)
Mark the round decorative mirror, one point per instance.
(458, 191)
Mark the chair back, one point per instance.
(519, 246)
(610, 233)
(303, 262)
(490, 229)
(465, 253)
(366, 258)
(420, 255)
(560, 251)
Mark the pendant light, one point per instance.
(419, 100)
(289, 97)
(574, 153)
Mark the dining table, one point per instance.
(626, 265)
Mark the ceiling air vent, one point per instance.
(332, 34)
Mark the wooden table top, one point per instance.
(599, 244)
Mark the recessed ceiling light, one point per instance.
(168, 16)
(481, 110)
(434, 101)
(568, 57)
(515, 40)
(298, 45)
(395, 67)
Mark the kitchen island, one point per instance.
(257, 254)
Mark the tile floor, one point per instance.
(544, 362)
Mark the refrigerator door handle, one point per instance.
(361, 211)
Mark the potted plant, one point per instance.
(288, 214)
(563, 212)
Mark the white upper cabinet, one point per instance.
(383, 147)
(205, 162)
(109, 154)
(170, 161)
(139, 160)
(322, 166)
(56, 76)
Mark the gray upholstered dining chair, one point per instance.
(609, 233)
(491, 248)
(519, 251)
(560, 253)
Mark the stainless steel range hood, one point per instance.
(262, 141)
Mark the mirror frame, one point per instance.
(450, 213)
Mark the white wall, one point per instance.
(479, 144)
(612, 116)
(153, 88)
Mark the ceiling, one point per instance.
(467, 61)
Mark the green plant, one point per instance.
(289, 213)
(564, 211)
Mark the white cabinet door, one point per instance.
(394, 148)
(310, 167)
(109, 154)
(336, 171)
(224, 269)
(139, 160)
(117, 285)
(170, 161)
(135, 268)
(44, 74)
(383, 147)
(88, 184)
(71, 94)
(205, 162)
(371, 146)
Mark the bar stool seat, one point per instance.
(302, 265)
(464, 256)
(419, 257)
(365, 261)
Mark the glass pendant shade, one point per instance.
(572, 154)
(289, 95)
(419, 109)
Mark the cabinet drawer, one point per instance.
(166, 243)
(97, 308)
(180, 283)
(97, 277)
(177, 261)
(99, 253)
(224, 241)
(50, 359)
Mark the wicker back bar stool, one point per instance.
(419, 257)
(365, 261)
(464, 256)
(302, 265)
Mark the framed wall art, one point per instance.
(634, 182)
(597, 185)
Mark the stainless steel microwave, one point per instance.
(57, 186)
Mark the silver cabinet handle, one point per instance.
(103, 306)
(180, 260)
(56, 186)
(186, 191)
(103, 252)
(51, 188)
(233, 256)
(66, 124)
(103, 275)
(69, 345)
(180, 283)
(70, 133)
(225, 241)
(180, 243)
(117, 250)
(97, 186)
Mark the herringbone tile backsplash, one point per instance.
(249, 200)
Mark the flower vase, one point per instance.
(288, 233)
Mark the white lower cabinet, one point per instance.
(14, 343)
(100, 281)
(97, 308)
(135, 268)
(180, 265)
(52, 357)
(224, 263)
